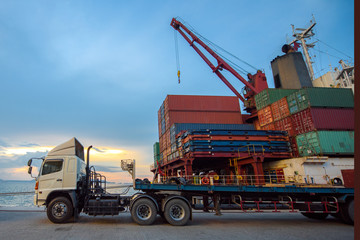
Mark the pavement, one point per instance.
(32, 223)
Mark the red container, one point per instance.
(161, 144)
(280, 109)
(265, 116)
(168, 141)
(285, 124)
(312, 119)
(348, 176)
(294, 147)
(202, 103)
(204, 117)
(270, 126)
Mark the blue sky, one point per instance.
(99, 70)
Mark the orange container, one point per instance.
(257, 124)
(265, 116)
(280, 109)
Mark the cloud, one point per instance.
(3, 144)
(29, 145)
(14, 161)
(98, 149)
(107, 168)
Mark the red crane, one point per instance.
(255, 83)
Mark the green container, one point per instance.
(271, 95)
(157, 160)
(326, 143)
(156, 149)
(320, 97)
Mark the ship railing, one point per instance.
(251, 149)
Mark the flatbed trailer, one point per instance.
(310, 200)
(67, 186)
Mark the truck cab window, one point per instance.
(52, 166)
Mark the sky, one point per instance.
(99, 70)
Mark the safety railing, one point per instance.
(251, 149)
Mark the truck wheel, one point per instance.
(318, 216)
(177, 212)
(144, 211)
(347, 212)
(60, 210)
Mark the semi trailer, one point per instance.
(67, 185)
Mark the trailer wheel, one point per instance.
(177, 212)
(60, 210)
(144, 211)
(347, 212)
(318, 216)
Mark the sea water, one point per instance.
(27, 200)
(16, 200)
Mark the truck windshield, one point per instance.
(51, 166)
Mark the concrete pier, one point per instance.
(32, 223)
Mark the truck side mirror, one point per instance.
(29, 162)
(29, 170)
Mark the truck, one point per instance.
(67, 185)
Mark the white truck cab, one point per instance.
(61, 174)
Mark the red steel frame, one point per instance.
(177, 25)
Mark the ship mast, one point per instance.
(301, 34)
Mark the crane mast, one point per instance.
(254, 85)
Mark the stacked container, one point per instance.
(319, 120)
(194, 110)
(156, 154)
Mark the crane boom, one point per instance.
(221, 63)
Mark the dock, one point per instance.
(32, 223)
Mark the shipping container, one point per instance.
(316, 170)
(265, 116)
(257, 124)
(270, 126)
(323, 119)
(348, 177)
(202, 103)
(285, 124)
(320, 97)
(271, 95)
(204, 117)
(293, 146)
(156, 148)
(326, 143)
(280, 109)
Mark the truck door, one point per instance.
(51, 177)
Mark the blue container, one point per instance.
(176, 128)
(237, 133)
(237, 143)
(257, 149)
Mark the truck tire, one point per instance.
(347, 212)
(177, 212)
(60, 210)
(318, 216)
(144, 211)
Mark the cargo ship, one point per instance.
(293, 129)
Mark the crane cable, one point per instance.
(216, 49)
(177, 55)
